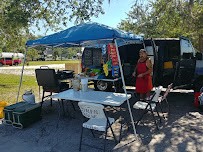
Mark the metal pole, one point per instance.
(124, 87)
(21, 77)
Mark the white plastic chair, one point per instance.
(149, 105)
(97, 120)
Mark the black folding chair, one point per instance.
(47, 78)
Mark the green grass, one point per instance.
(9, 85)
(52, 62)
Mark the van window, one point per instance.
(8, 58)
(186, 47)
(150, 52)
(92, 57)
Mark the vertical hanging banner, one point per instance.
(112, 53)
(114, 58)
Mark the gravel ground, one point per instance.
(181, 131)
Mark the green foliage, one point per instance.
(166, 18)
(32, 54)
(17, 16)
(70, 52)
(73, 51)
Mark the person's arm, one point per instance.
(134, 73)
(149, 68)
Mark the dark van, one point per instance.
(173, 61)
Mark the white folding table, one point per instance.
(99, 97)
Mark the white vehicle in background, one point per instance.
(11, 55)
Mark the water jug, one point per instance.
(76, 84)
(29, 97)
(84, 84)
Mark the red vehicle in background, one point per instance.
(9, 61)
(10, 58)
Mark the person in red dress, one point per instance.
(143, 76)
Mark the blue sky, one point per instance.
(114, 13)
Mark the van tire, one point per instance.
(1, 64)
(102, 85)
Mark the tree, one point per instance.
(166, 18)
(32, 54)
(17, 16)
(60, 52)
(73, 51)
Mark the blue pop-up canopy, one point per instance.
(86, 34)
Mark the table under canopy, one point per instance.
(99, 97)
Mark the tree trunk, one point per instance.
(191, 2)
(201, 42)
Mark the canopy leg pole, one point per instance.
(21, 76)
(124, 87)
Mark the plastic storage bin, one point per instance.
(8, 112)
(26, 115)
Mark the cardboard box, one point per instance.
(76, 67)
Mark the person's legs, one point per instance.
(148, 95)
(142, 96)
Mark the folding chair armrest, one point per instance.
(153, 102)
(149, 101)
(146, 100)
